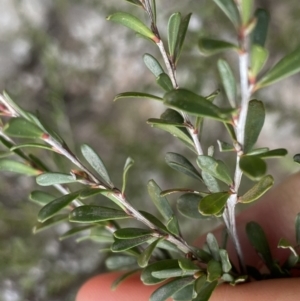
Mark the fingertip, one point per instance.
(99, 288)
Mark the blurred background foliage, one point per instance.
(62, 59)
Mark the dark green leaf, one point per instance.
(187, 265)
(246, 10)
(145, 256)
(172, 225)
(136, 95)
(154, 220)
(17, 167)
(228, 81)
(259, 241)
(253, 167)
(296, 158)
(53, 178)
(165, 82)
(211, 47)
(181, 36)
(259, 56)
(93, 214)
(194, 104)
(258, 190)
(173, 30)
(213, 246)
(123, 277)
(161, 265)
(258, 151)
(94, 160)
(121, 245)
(213, 203)
(297, 228)
(226, 265)
(210, 182)
(172, 116)
(101, 235)
(188, 205)
(229, 8)
(171, 273)
(129, 163)
(230, 131)
(74, 231)
(214, 271)
(181, 164)
(20, 127)
(287, 66)
(225, 147)
(215, 168)
(185, 294)
(50, 222)
(129, 233)
(120, 262)
(170, 288)
(172, 128)
(160, 202)
(56, 205)
(205, 290)
(153, 65)
(90, 192)
(34, 145)
(260, 31)
(254, 123)
(133, 23)
(41, 197)
(279, 152)
(135, 2)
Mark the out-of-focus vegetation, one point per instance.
(64, 60)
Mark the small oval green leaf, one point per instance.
(133, 23)
(56, 205)
(170, 288)
(279, 152)
(229, 8)
(253, 167)
(194, 104)
(60, 218)
(215, 168)
(173, 30)
(258, 190)
(128, 164)
(254, 123)
(136, 95)
(53, 178)
(259, 241)
(226, 265)
(181, 164)
(167, 264)
(246, 10)
(145, 256)
(213, 246)
(165, 82)
(129, 233)
(211, 46)
(214, 270)
(228, 81)
(17, 167)
(152, 64)
(121, 245)
(213, 203)
(41, 197)
(159, 201)
(259, 56)
(94, 160)
(93, 214)
(20, 127)
(287, 66)
(188, 205)
(260, 31)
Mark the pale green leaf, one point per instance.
(173, 30)
(230, 10)
(128, 164)
(152, 64)
(41, 197)
(258, 190)
(145, 256)
(18, 167)
(53, 178)
(165, 82)
(133, 23)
